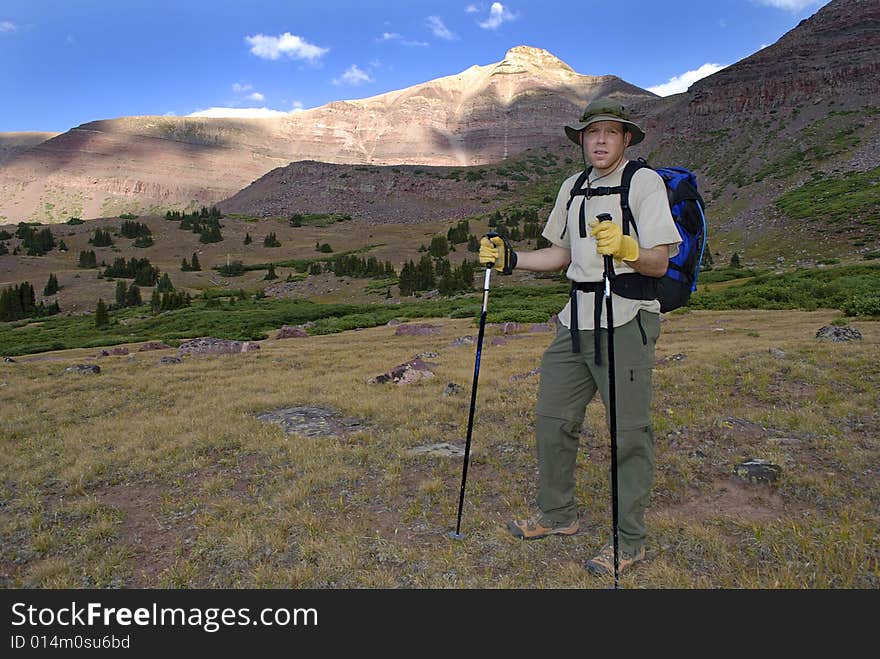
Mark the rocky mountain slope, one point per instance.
(799, 109)
(11, 144)
(138, 164)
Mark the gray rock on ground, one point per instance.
(837, 334)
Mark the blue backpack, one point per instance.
(674, 289)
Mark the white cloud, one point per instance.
(681, 82)
(471, 9)
(239, 88)
(294, 47)
(170, 113)
(790, 5)
(297, 106)
(8, 26)
(498, 14)
(353, 76)
(239, 113)
(394, 36)
(256, 96)
(439, 29)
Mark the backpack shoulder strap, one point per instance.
(578, 185)
(629, 171)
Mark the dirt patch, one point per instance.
(731, 498)
(157, 533)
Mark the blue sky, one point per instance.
(67, 62)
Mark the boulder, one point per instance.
(416, 329)
(756, 470)
(838, 334)
(84, 369)
(154, 345)
(288, 332)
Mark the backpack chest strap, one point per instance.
(632, 285)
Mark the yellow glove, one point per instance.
(610, 241)
(497, 252)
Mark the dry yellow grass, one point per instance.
(162, 476)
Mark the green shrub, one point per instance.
(862, 305)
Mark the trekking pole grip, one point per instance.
(607, 259)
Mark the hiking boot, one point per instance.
(533, 529)
(603, 562)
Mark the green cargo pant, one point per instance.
(568, 382)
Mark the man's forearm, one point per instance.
(544, 260)
(652, 261)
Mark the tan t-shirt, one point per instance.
(650, 208)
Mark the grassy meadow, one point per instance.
(149, 475)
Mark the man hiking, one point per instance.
(575, 365)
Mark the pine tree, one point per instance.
(247, 239)
(156, 302)
(271, 273)
(184, 267)
(121, 290)
(51, 286)
(439, 246)
(407, 280)
(102, 317)
(195, 266)
(707, 262)
(734, 261)
(425, 274)
(133, 296)
(87, 259)
(165, 284)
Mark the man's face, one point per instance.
(604, 144)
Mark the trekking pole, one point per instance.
(457, 535)
(607, 276)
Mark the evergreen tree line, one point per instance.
(270, 240)
(127, 296)
(141, 270)
(35, 243)
(424, 276)
(169, 300)
(101, 238)
(165, 285)
(19, 301)
(135, 230)
(87, 259)
(438, 248)
(356, 266)
(459, 233)
(508, 224)
(191, 266)
(51, 286)
(205, 222)
(203, 213)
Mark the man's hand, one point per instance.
(496, 251)
(610, 241)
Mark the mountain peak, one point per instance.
(520, 58)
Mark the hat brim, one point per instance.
(573, 130)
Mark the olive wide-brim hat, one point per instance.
(603, 109)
